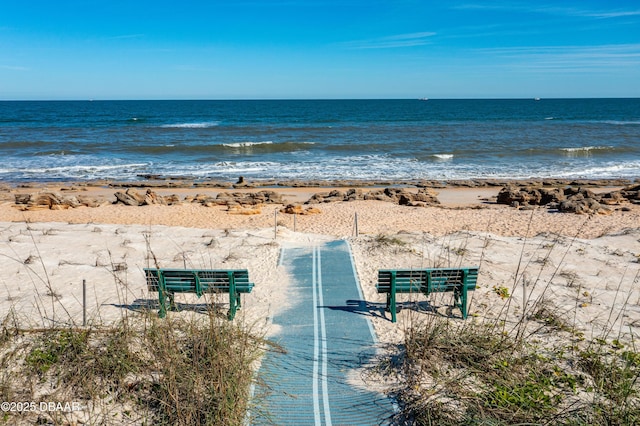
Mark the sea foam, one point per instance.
(246, 144)
(443, 156)
(200, 125)
(586, 149)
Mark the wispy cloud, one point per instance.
(570, 58)
(13, 68)
(123, 37)
(606, 15)
(550, 10)
(393, 41)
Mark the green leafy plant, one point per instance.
(501, 291)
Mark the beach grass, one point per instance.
(528, 364)
(140, 370)
(457, 373)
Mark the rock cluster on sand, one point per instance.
(238, 199)
(242, 203)
(568, 200)
(423, 197)
(53, 201)
(131, 197)
(297, 209)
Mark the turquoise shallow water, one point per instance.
(321, 139)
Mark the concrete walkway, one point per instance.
(316, 381)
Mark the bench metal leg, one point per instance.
(164, 296)
(392, 307)
(163, 303)
(463, 302)
(392, 303)
(460, 300)
(234, 304)
(167, 302)
(234, 297)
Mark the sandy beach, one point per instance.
(472, 209)
(585, 266)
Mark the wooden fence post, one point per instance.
(84, 303)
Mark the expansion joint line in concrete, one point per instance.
(319, 343)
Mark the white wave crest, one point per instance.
(200, 125)
(246, 144)
(84, 168)
(443, 156)
(585, 149)
(609, 170)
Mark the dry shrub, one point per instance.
(169, 372)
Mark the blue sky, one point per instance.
(138, 49)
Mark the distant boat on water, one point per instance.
(536, 99)
(424, 99)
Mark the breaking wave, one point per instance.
(443, 156)
(246, 144)
(586, 150)
(200, 125)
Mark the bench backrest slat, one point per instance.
(199, 281)
(430, 280)
(407, 281)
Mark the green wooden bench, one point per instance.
(170, 281)
(427, 281)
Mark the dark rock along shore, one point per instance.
(569, 200)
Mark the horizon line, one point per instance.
(424, 99)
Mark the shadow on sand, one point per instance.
(146, 305)
(378, 310)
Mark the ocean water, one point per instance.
(320, 139)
